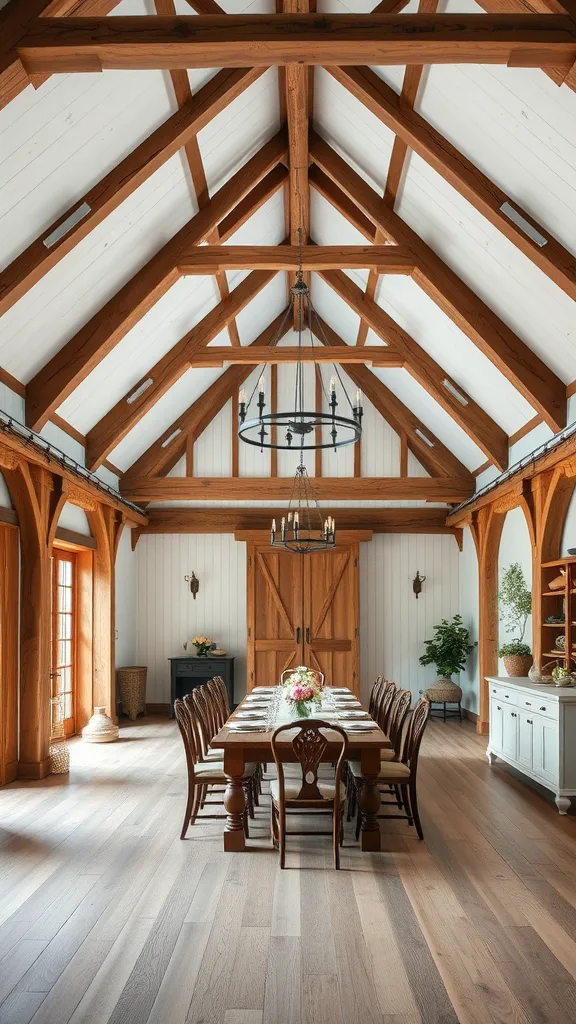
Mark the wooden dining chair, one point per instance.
(383, 709)
(203, 775)
(403, 773)
(303, 791)
(205, 720)
(393, 724)
(375, 693)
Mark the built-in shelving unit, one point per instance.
(560, 602)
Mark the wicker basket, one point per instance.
(132, 690)
(444, 691)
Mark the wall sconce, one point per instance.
(417, 584)
(194, 582)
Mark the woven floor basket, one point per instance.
(132, 689)
(444, 692)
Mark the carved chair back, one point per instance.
(218, 705)
(384, 707)
(288, 672)
(184, 717)
(396, 720)
(204, 717)
(375, 694)
(414, 735)
(310, 745)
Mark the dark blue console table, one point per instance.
(187, 673)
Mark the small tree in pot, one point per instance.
(515, 605)
(448, 649)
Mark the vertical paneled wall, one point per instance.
(167, 614)
(394, 623)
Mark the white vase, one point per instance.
(100, 728)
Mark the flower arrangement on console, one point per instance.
(203, 645)
(303, 688)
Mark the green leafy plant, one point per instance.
(560, 672)
(449, 647)
(515, 604)
(514, 647)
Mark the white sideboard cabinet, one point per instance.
(533, 728)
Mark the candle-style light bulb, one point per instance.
(332, 384)
(261, 385)
(273, 531)
(358, 397)
(283, 528)
(242, 397)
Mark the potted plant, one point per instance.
(203, 646)
(448, 649)
(515, 604)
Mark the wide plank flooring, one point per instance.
(107, 918)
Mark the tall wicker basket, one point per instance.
(132, 690)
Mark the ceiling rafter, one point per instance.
(104, 197)
(395, 488)
(467, 413)
(410, 86)
(145, 42)
(124, 416)
(357, 201)
(379, 355)
(435, 457)
(552, 258)
(160, 457)
(79, 356)
(183, 94)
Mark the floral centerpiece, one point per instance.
(303, 688)
(203, 645)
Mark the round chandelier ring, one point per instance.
(283, 419)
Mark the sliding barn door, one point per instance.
(274, 614)
(331, 614)
(303, 610)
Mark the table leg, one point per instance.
(234, 802)
(369, 800)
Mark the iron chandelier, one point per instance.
(297, 428)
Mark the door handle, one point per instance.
(307, 634)
(297, 634)
(53, 675)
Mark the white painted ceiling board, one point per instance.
(328, 226)
(413, 310)
(351, 129)
(176, 313)
(432, 415)
(240, 130)
(522, 295)
(337, 314)
(64, 140)
(262, 310)
(182, 394)
(80, 284)
(213, 449)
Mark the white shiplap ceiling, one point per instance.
(58, 141)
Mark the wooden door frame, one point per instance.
(9, 645)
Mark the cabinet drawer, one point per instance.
(505, 694)
(534, 703)
(200, 667)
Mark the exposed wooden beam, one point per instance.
(297, 87)
(171, 488)
(552, 258)
(217, 355)
(143, 42)
(388, 259)
(72, 364)
(12, 382)
(434, 456)
(123, 416)
(519, 364)
(38, 258)
(14, 21)
(163, 454)
(467, 413)
(227, 520)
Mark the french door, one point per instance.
(303, 610)
(64, 635)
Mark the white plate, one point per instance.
(263, 689)
(361, 726)
(339, 689)
(247, 727)
(249, 714)
(354, 714)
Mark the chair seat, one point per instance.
(212, 755)
(292, 788)
(215, 769)
(395, 770)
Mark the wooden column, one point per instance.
(486, 528)
(8, 653)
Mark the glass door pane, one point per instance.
(63, 634)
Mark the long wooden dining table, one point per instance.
(241, 748)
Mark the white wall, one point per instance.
(469, 679)
(167, 614)
(393, 623)
(126, 563)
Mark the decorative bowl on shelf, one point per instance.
(218, 652)
(572, 551)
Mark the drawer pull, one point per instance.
(530, 722)
(513, 714)
(498, 708)
(528, 704)
(507, 695)
(543, 708)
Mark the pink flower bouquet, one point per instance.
(301, 689)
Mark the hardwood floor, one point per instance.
(107, 918)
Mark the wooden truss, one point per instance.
(40, 37)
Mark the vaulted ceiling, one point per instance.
(463, 175)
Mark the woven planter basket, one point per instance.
(444, 691)
(517, 665)
(132, 689)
